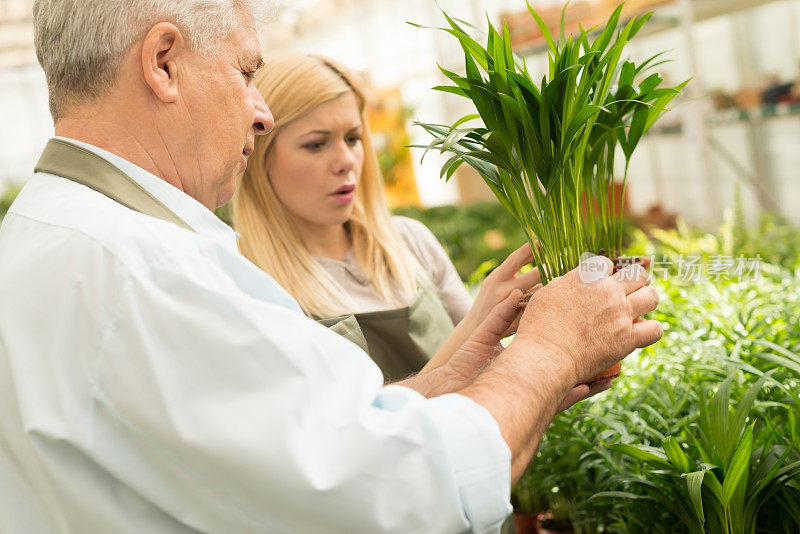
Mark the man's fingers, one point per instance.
(582, 392)
(515, 261)
(647, 332)
(643, 300)
(576, 394)
(598, 387)
(632, 277)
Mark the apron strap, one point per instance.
(87, 168)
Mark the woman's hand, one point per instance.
(464, 361)
(500, 283)
(495, 290)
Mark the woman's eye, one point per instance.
(316, 145)
(353, 139)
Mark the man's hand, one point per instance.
(593, 325)
(582, 392)
(483, 343)
(570, 331)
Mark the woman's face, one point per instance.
(315, 164)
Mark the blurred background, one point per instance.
(732, 139)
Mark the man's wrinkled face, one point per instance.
(223, 112)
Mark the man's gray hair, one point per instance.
(80, 43)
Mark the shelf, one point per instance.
(667, 15)
(734, 116)
(764, 112)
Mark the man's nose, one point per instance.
(263, 121)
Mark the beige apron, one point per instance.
(402, 340)
(75, 163)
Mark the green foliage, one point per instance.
(477, 237)
(773, 240)
(547, 150)
(699, 434)
(730, 469)
(7, 198)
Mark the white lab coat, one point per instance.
(153, 380)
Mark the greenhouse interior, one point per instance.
(659, 134)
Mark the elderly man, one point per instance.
(153, 380)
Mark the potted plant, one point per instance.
(558, 518)
(528, 499)
(548, 150)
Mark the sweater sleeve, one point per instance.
(433, 258)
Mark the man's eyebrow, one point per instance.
(252, 63)
(257, 63)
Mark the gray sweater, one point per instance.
(431, 256)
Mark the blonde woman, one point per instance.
(311, 212)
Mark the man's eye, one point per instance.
(249, 76)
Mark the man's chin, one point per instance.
(226, 193)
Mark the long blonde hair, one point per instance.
(293, 86)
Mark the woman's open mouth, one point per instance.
(345, 194)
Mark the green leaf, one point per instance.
(720, 416)
(466, 118)
(641, 452)
(451, 89)
(613, 495)
(543, 28)
(712, 483)
(770, 476)
(743, 410)
(454, 137)
(650, 83)
(694, 485)
(450, 166)
(736, 473)
(675, 454)
(637, 25)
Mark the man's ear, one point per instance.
(163, 49)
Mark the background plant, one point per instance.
(734, 464)
(7, 197)
(548, 150)
(726, 372)
(477, 237)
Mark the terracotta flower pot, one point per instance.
(609, 374)
(525, 523)
(546, 525)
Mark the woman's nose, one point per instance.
(344, 160)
